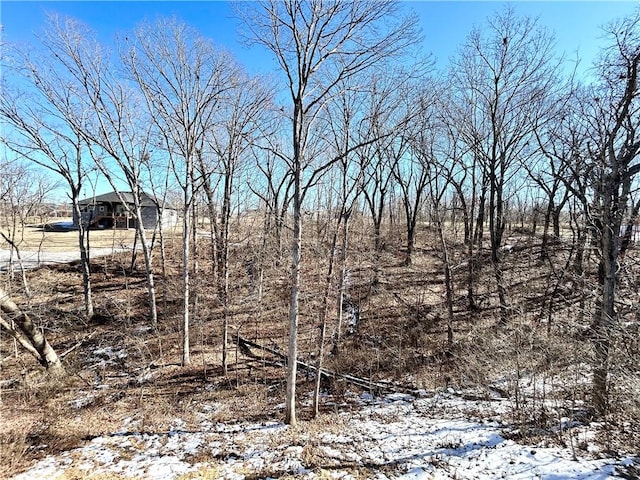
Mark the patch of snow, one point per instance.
(110, 353)
(366, 397)
(400, 437)
(399, 397)
(82, 401)
(143, 329)
(145, 377)
(106, 356)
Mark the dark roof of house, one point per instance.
(112, 197)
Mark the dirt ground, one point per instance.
(398, 334)
(35, 237)
(40, 244)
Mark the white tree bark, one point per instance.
(30, 336)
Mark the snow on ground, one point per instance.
(400, 437)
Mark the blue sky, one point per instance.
(445, 24)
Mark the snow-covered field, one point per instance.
(432, 437)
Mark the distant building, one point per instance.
(109, 211)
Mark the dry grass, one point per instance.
(78, 474)
(203, 473)
(136, 382)
(34, 237)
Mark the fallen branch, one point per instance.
(67, 352)
(378, 387)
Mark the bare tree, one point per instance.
(412, 158)
(117, 128)
(550, 181)
(612, 113)
(553, 172)
(181, 76)
(376, 184)
(44, 124)
(348, 119)
(278, 192)
(504, 74)
(438, 186)
(23, 191)
(386, 118)
(463, 178)
(317, 45)
(239, 127)
(444, 154)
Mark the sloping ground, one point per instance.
(435, 437)
(128, 408)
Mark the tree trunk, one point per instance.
(41, 348)
(479, 232)
(496, 230)
(290, 403)
(377, 240)
(411, 232)
(605, 313)
(580, 238)
(18, 337)
(545, 231)
(186, 281)
(83, 244)
(296, 260)
(223, 268)
(466, 219)
(148, 266)
(471, 302)
(213, 222)
(324, 313)
(23, 271)
(341, 282)
(448, 282)
(556, 219)
(279, 226)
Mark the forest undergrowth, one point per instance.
(394, 335)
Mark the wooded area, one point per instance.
(499, 196)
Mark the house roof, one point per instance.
(112, 197)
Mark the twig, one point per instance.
(67, 352)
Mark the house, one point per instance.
(109, 211)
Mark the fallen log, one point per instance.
(29, 335)
(376, 387)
